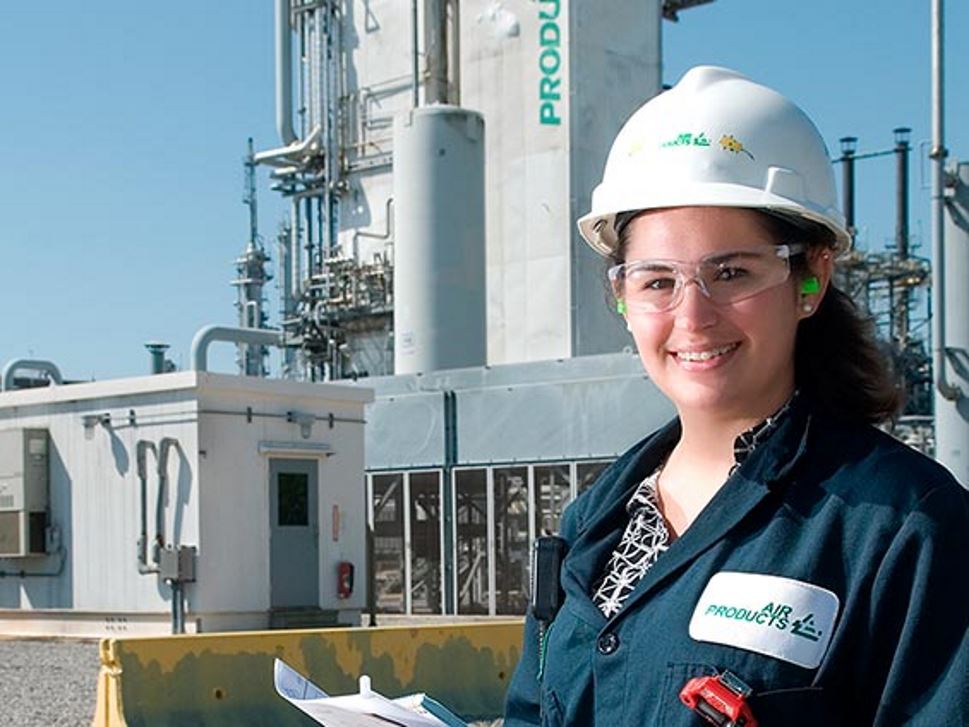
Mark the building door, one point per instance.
(294, 533)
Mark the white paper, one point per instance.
(364, 709)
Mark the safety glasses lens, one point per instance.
(657, 285)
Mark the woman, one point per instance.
(768, 554)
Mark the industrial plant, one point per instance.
(452, 374)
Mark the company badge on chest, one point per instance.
(781, 617)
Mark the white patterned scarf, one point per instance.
(646, 536)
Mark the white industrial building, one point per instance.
(244, 494)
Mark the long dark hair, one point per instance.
(838, 360)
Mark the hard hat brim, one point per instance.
(598, 229)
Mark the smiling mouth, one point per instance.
(706, 355)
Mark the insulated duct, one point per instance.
(284, 74)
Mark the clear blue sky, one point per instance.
(123, 126)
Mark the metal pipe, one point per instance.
(284, 74)
(328, 230)
(435, 51)
(141, 450)
(901, 231)
(313, 68)
(415, 52)
(209, 334)
(284, 155)
(902, 149)
(295, 256)
(300, 29)
(308, 216)
(178, 612)
(454, 51)
(848, 182)
(164, 447)
(48, 367)
(938, 155)
(387, 234)
(282, 246)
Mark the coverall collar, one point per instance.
(763, 472)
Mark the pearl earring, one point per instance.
(807, 307)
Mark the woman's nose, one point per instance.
(695, 310)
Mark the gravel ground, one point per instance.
(47, 683)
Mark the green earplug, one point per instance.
(810, 285)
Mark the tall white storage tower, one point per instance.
(439, 278)
(553, 81)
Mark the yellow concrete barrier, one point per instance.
(227, 678)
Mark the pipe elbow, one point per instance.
(208, 334)
(200, 347)
(949, 392)
(141, 455)
(12, 367)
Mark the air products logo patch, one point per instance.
(781, 617)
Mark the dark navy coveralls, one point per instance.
(823, 501)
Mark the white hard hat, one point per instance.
(716, 139)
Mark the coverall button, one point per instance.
(607, 643)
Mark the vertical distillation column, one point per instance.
(309, 172)
(317, 200)
(284, 243)
(330, 23)
(332, 61)
(252, 277)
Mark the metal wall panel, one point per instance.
(405, 431)
(557, 421)
(577, 408)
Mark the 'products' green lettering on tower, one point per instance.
(549, 63)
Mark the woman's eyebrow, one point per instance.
(725, 256)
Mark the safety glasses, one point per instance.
(655, 286)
